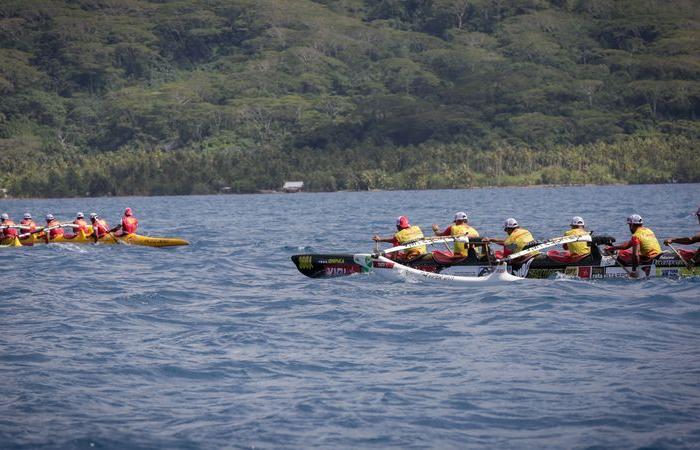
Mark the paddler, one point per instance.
(81, 225)
(460, 227)
(99, 226)
(28, 223)
(8, 230)
(693, 259)
(405, 233)
(516, 241)
(129, 224)
(642, 248)
(577, 249)
(55, 231)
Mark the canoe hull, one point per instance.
(111, 239)
(601, 267)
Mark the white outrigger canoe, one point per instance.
(528, 264)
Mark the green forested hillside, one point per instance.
(188, 96)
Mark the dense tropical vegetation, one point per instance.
(105, 97)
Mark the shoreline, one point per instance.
(273, 192)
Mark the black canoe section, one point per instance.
(326, 266)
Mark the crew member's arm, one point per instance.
(635, 254)
(376, 238)
(683, 240)
(446, 232)
(624, 246)
(493, 241)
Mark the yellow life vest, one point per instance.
(577, 248)
(648, 244)
(517, 240)
(461, 230)
(411, 234)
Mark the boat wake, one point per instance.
(69, 248)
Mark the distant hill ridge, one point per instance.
(107, 97)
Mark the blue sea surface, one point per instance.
(224, 344)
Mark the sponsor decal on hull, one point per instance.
(304, 262)
(619, 272)
(541, 273)
(668, 272)
(333, 261)
(382, 265)
(667, 262)
(571, 271)
(524, 270)
(340, 270)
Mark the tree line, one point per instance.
(107, 97)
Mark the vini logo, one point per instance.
(305, 262)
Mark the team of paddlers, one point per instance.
(53, 228)
(642, 248)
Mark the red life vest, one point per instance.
(8, 232)
(56, 231)
(83, 226)
(100, 227)
(129, 224)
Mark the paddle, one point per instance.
(26, 235)
(550, 243)
(53, 227)
(687, 264)
(630, 273)
(425, 241)
(22, 227)
(111, 233)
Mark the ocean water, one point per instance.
(223, 344)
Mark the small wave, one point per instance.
(70, 248)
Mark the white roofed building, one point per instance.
(293, 186)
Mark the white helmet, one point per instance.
(461, 216)
(510, 223)
(27, 216)
(93, 215)
(576, 220)
(50, 217)
(634, 219)
(80, 215)
(4, 216)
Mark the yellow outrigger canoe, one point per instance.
(109, 239)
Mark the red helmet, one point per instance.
(402, 222)
(127, 212)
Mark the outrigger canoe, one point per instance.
(108, 239)
(444, 266)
